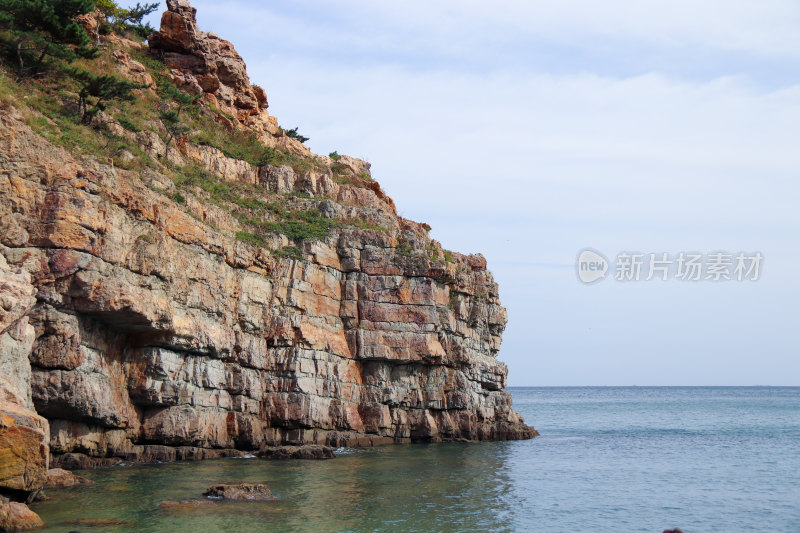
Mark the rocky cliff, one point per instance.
(145, 315)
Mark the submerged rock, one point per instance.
(186, 505)
(240, 492)
(18, 517)
(98, 522)
(298, 452)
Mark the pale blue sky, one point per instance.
(528, 130)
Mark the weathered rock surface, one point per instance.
(251, 492)
(23, 449)
(17, 297)
(134, 328)
(24, 435)
(16, 516)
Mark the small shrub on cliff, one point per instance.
(222, 193)
(194, 176)
(302, 230)
(334, 155)
(128, 124)
(299, 164)
(299, 194)
(252, 238)
(294, 135)
(341, 174)
(301, 225)
(405, 249)
(453, 301)
(236, 144)
(292, 252)
(8, 90)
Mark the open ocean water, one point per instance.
(706, 459)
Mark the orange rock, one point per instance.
(24, 450)
(17, 517)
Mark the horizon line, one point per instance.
(644, 386)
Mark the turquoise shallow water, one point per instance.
(615, 459)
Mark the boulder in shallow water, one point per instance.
(310, 451)
(58, 478)
(253, 492)
(18, 517)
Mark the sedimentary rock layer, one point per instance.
(135, 327)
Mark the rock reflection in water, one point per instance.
(442, 487)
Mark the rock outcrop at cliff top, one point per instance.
(142, 328)
(205, 63)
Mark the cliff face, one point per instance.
(137, 326)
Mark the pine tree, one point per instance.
(294, 135)
(123, 19)
(132, 18)
(97, 89)
(171, 118)
(43, 28)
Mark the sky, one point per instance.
(531, 130)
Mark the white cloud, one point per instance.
(768, 27)
(722, 139)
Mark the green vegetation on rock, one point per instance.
(84, 99)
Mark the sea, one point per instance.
(621, 459)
